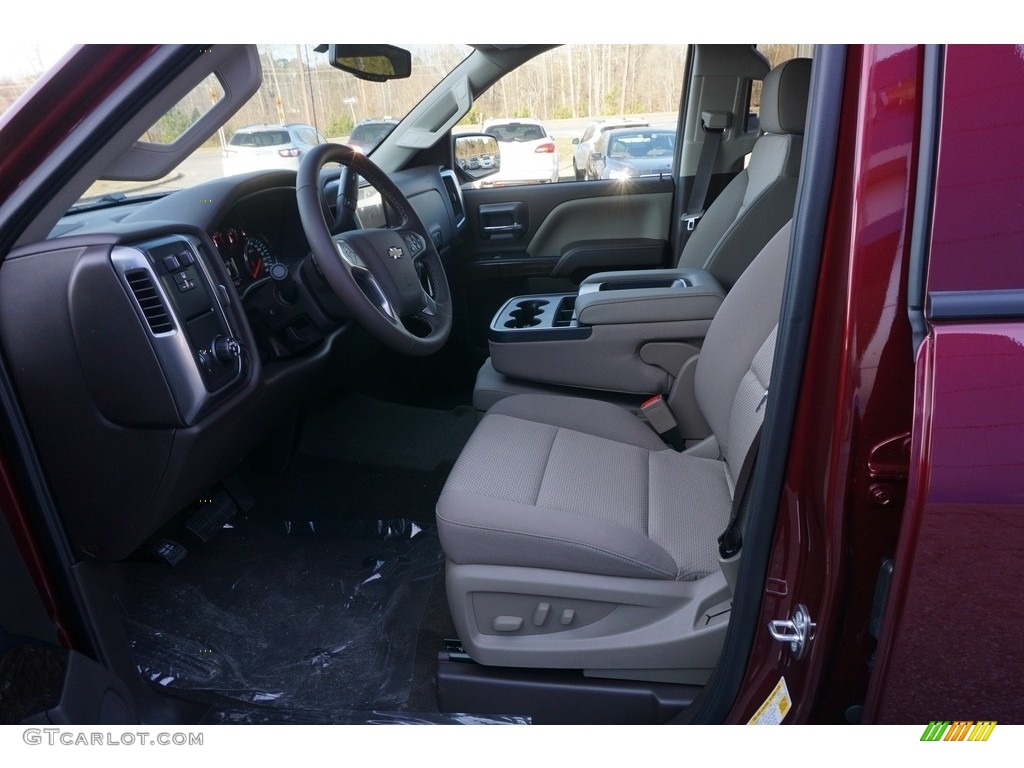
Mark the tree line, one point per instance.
(570, 81)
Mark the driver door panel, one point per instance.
(546, 238)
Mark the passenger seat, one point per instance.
(575, 538)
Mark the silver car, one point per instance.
(584, 146)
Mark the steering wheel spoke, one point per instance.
(430, 308)
(351, 259)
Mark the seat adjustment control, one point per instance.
(507, 623)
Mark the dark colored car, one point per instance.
(369, 133)
(262, 461)
(631, 153)
(584, 145)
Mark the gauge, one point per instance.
(259, 256)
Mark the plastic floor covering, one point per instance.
(296, 621)
(309, 608)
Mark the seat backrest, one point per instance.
(733, 372)
(755, 204)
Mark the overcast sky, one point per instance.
(20, 59)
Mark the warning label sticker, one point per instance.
(775, 707)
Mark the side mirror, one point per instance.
(376, 63)
(477, 155)
(595, 156)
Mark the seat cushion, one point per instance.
(585, 486)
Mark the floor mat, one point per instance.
(298, 621)
(371, 432)
(329, 496)
(325, 601)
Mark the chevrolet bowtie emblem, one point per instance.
(395, 253)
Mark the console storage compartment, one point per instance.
(622, 332)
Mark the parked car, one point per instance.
(631, 153)
(369, 133)
(584, 145)
(528, 153)
(262, 463)
(258, 147)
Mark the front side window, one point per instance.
(574, 93)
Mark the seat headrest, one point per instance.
(784, 97)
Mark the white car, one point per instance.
(528, 152)
(257, 147)
(584, 145)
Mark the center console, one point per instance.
(627, 332)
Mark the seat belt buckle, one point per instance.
(660, 417)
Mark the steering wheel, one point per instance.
(391, 280)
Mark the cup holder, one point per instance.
(531, 306)
(520, 322)
(527, 314)
(548, 317)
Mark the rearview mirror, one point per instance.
(376, 63)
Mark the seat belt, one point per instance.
(714, 125)
(731, 540)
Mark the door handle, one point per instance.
(503, 221)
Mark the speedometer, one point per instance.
(259, 256)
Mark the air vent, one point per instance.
(149, 300)
(455, 195)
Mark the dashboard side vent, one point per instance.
(451, 185)
(149, 300)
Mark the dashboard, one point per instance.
(259, 236)
(182, 329)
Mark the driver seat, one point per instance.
(575, 538)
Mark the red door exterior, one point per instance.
(951, 647)
(915, 457)
(840, 509)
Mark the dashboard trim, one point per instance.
(172, 348)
